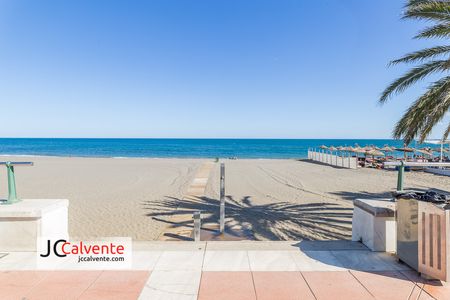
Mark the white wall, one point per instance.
(334, 160)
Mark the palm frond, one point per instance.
(425, 112)
(446, 133)
(435, 116)
(413, 76)
(437, 31)
(413, 119)
(412, 3)
(421, 55)
(431, 107)
(432, 10)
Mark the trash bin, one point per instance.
(423, 232)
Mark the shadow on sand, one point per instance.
(273, 221)
(321, 164)
(369, 195)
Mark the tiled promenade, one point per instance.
(227, 270)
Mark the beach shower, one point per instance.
(12, 192)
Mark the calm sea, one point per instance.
(180, 148)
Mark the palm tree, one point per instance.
(431, 107)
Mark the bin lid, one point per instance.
(428, 196)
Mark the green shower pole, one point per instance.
(12, 194)
(12, 191)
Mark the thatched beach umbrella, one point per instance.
(323, 147)
(331, 149)
(439, 150)
(375, 153)
(359, 150)
(341, 149)
(349, 149)
(425, 151)
(405, 150)
(386, 148)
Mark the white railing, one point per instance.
(430, 167)
(343, 160)
(417, 164)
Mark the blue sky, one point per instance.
(239, 69)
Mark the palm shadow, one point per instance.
(346, 195)
(273, 221)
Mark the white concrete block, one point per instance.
(23, 223)
(374, 224)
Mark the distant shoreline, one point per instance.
(176, 148)
(150, 157)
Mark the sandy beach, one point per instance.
(274, 199)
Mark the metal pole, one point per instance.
(401, 171)
(222, 198)
(197, 225)
(12, 193)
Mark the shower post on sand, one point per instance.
(401, 175)
(12, 192)
(197, 226)
(222, 198)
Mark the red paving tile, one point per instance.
(439, 290)
(418, 293)
(226, 285)
(376, 283)
(281, 286)
(14, 284)
(335, 285)
(63, 285)
(117, 285)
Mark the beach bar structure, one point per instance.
(343, 160)
(441, 144)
